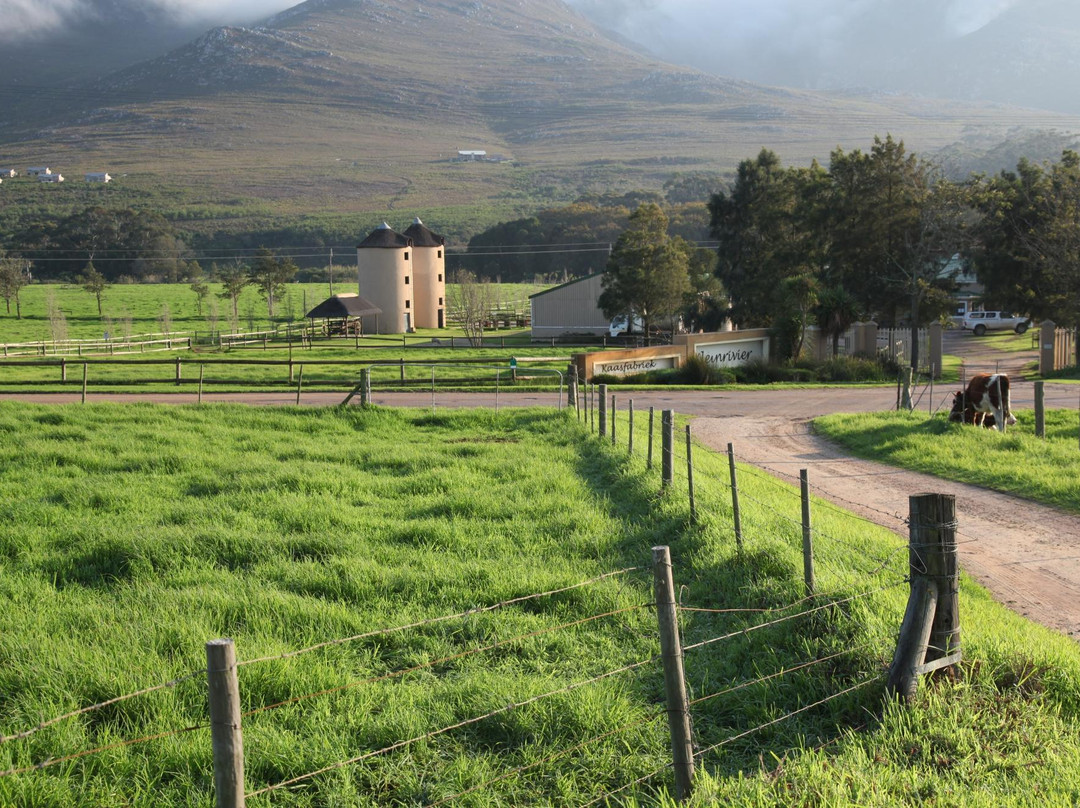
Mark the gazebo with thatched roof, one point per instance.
(345, 308)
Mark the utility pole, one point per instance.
(331, 272)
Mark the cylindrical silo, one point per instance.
(384, 268)
(429, 275)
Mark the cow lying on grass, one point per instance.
(985, 402)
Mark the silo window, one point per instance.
(406, 256)
(439, 255)
(440, 301)
(406, 280)
(440, 277)
(407, 304)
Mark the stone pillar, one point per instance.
(1047, 336)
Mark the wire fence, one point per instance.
(710, 626)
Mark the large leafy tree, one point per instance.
(648, 270)
(270, 274)
(1028, 254)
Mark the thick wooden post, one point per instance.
(1040, 409)
(930, 634)
(603, 411)
(84, 383)
(667, 447)
(690, 475)
(807, 534)
(63, 369)
(736, 517)
(906, 375)
(365, 387)
(178, 370)
(299, 385)
(225, 733)
(678, 710)
(202, 368)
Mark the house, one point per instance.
(98, 177)
(571, 308)
(6, 173)
(38, 171)
(471, 155)
(50, 177)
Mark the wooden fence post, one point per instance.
(630, 429)
(1040, 409)
(678, 710)
(667, 446)
(202, 368)
(178, 370)
(906, 376)
(299, 385)
(690, 476)
(807, 535)
(603, 411)
(930, 633)
(84, 383)
(225, 734)
(648, 456)
(63, 369)
(365, 387)
(736, 517)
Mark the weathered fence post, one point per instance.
(225, 733)
(690, 475)
(930, 633)
(202, 368)
(807, 534)
(667, 446)
(648, 456)
(906, 375)
(365, 387)
(603, 411)
(630, 428)
(571, 386)
(678, 710)
(63, 369)
(84, 383)
(735, 515)
(299, 384)
(1040, 409)
(401, 363)
(178, 370)
(433, 388)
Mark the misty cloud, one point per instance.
(32, 18)
(810, 43)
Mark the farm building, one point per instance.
(344, 313)
(7, 173)
(569, 309)
(38, 171)
(50, 177)
(429, 276)
(98, 176)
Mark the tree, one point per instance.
(647, 273)
(836, 311)
(471, 301)
(198, 285)
(94, 283)
(13, 277)
(270, 274)
(233, 281)
(1028, 254)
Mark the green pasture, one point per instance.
(1042, 469)
(133, 534)
(129, 309)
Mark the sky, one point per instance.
(808, 43)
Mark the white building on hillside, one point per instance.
(38, 171)
(8, 172)
(98, 176)
(50, 177)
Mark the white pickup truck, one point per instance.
(980, 322)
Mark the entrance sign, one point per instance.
(734, 353)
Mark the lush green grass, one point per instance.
(133, 534)
(1047, 470)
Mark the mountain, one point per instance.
(337, 108)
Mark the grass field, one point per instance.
(134, 534)
(1017, 462)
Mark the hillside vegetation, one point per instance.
(134, 534)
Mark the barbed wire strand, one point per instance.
(434, 620)
(426, 665)
(609, 794)
(792, 714)
(777, 675)
(756, 627)
(548, 759)
(100, 705)
(434, 733)
(119, 745)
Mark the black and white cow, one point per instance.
(985, 399)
